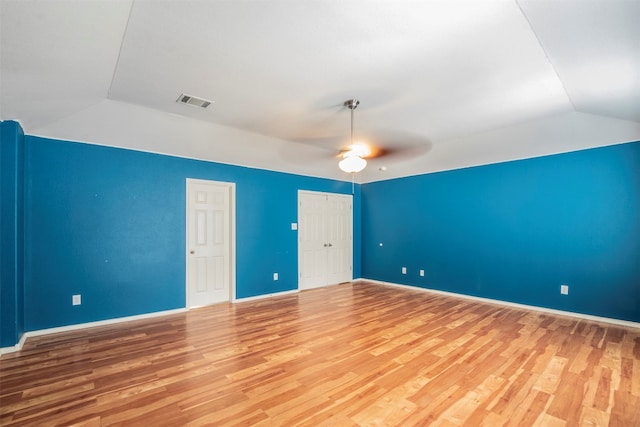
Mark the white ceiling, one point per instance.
(447, 84)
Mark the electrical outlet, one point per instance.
(564, 289)
(76, 299)
(275, 276)
(421, 273)
(404, 270)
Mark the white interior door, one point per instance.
(209, 242)
(325, 242)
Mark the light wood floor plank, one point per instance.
(347, 355)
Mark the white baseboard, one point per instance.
(259, 297)
(17, 347)
(26, 335)
(20, 344)
(618, 322)
(75, 327)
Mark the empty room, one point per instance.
(320, 213)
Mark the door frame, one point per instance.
(232, 236)
(322, 193)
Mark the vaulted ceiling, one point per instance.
(442, 84)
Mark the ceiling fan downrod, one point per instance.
(351, 104)
(352, 160)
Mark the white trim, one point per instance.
(232, 236)
(618, 322)
(14, 348)
(18, 347)
(78, 326)
(263, 296)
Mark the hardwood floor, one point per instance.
(353, 354)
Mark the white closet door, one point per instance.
(325, 242)
(339, 220)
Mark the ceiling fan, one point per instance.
(400, 145)
(353, 157)
(323, 139)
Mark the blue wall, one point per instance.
(11, 232)
(109, 224)
(516, 231)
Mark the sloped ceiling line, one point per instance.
(117, 62)
(546, 54)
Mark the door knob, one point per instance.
(192, 252)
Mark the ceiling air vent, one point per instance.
(192, 100)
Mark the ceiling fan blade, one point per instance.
(402, 154)
(397, 145)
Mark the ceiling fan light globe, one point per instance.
(352, 164)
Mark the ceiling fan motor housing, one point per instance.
(351, 104)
